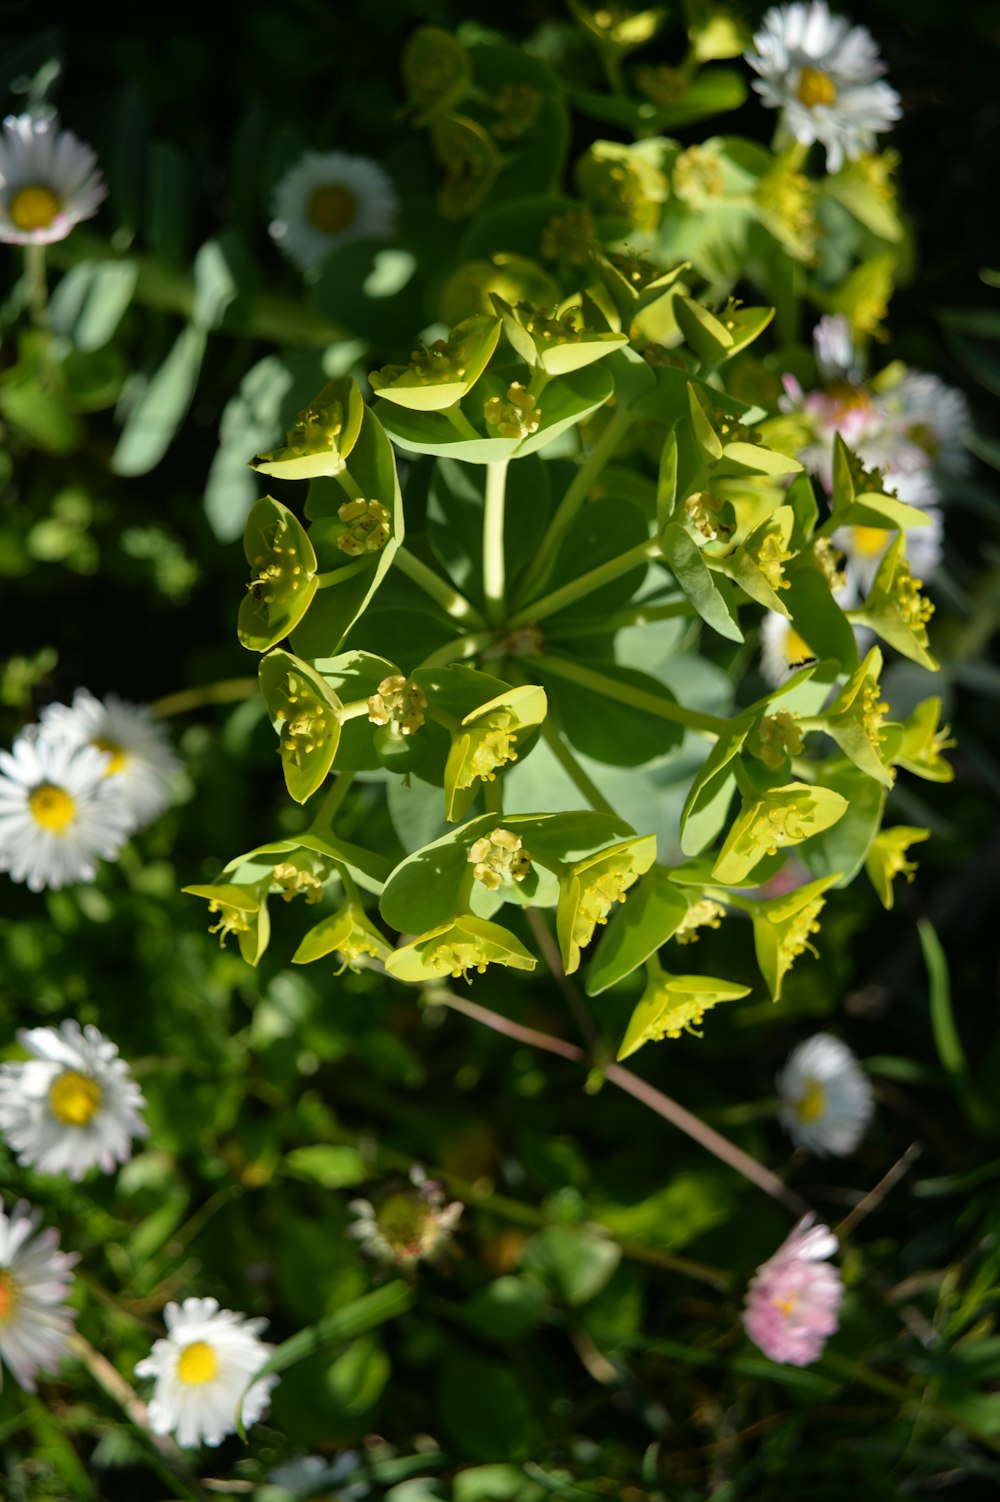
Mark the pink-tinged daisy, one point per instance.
(48, 181)
(35, 1325)
(794, 1297)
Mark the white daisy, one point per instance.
(824, 75)
(202, 1368)
(865, 547)
(141, 761)
(58, 811)
(826, 1099)
(934, 418)
(48, 181)
(73, 1105)
(35, 1275)
(328, 199)
(782, 649)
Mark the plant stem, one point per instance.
(327, 811)
(493, 796)
(38, 287)
(229, 691)
(637, 698)
(713, 1142)
(339, 575)
(166, 1458)
(442, 593)
(494, 565)
(352, 711)
(635, 615)
(595, 578)
(564, 756)
(550, 954)
(574, 497)
(458, 648)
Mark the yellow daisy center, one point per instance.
(815, 88)
(795, 648)
(812, 1102)
(34, 207)
(785, 1306)
(869, 541)
(117, 753)
(197, 1364)
(8, 1296)
(332, 209)
(74, 1099)
(53, 808)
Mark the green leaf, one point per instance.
(696, 579)
(161, 407)
(326, 1164)
(572, 1261)
(485, 1410)
(506, 1308)
(363, 1314)
(305, 712)
(90, 301)
(284, 565)
(655, 909)
(843, 849)
(816, 616)
(707, 804)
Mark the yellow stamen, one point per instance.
(117, 753)
(8, 1296)
(815, 88)
(332, 209)
(74, 1099)
(785, 1306)
(811, 1103)
(53, 808)
(197, 1364)
(34, 207)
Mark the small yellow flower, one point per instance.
(455, 949)
(780, 817)
(399, 702)
(886, 858)
(589, 889)
(674, 1004)
(499, 857)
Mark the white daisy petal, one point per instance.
(824, 76)
(35, 1275)
(59, 813)
(201, 1368)
(827, 1101)
(73, 1106)
(328, 199)
(48, 181)
(141, 761)
(782, 649)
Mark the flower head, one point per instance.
(327, 200)
(793, 1298)
(48, 181)
(59, 811)
(824, 76)
(73, 1105)
(141, 760)
(886, 858)
(202, 1368)
(35, 1275)
(826, 1099)
(783, 650)
(674, 1004)
(455, 949)
(409, 1225)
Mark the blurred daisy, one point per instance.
(826, 1099)
(48, 181)
(72, 1105)
(328, 199)
(409, 1225)
(313, 1476)
(58, 811)
(35, 1275)
(202, 1368)
(864, 548)
(793, 1298)
(782, 650)
(141, 761)
(824, 76)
